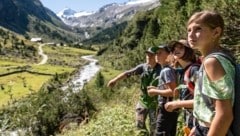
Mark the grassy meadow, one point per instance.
(16, 86)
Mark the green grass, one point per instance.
(4, 63)
(66, 55)
(19, 85)
(66, 50)
(8, 66)
(115, 116)
(115, 121)
(52, 69)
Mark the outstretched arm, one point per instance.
(113, 81)
(135, 71)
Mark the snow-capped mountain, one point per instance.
(68, 13)
(106, 15)
(138, 2)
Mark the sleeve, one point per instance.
(224, 87)
(135, 71)
(169, 75)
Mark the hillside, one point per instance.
(31, 19)
(103, 36)
(16, 47)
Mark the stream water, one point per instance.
(85, 74)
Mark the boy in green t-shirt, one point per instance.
(148, 74)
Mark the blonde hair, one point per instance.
(211, 19)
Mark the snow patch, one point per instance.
(139, 2)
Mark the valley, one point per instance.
(103, 44)
(19, 79)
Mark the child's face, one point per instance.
(161, 56)
(178, 51)
(150, 58)
(200, 36)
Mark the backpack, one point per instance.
(235, 125)
(189, 79)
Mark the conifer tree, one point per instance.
(99, 80)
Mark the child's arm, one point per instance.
(170, 106)
(165, 92)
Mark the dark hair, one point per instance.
(211, 19)
(189, 54)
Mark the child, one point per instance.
(186, 59)
(205, 29)
(166, 121)
(146, 106)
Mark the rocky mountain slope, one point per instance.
(31, 18)
(107, 15)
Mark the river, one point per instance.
(85, 74)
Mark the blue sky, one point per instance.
(78, 5)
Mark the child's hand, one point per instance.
(192, 133)
(151, 87)
(151, 91)
(111, 83)
(170, 106)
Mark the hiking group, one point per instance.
(174, 80)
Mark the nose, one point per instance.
(190, 35)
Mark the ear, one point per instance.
(217, 32)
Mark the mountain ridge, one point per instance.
(108, 14)
(31, 18)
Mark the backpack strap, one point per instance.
(188, 78)
(208, 101)
(228, 57)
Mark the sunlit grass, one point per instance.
(66, 50)
(4, 63)
(7, 66)
(115, 121)
(20, 85)
(51, 69)
(59, 55)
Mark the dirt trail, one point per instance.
(44, 56)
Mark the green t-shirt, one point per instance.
(220, 89)
(148, 77)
